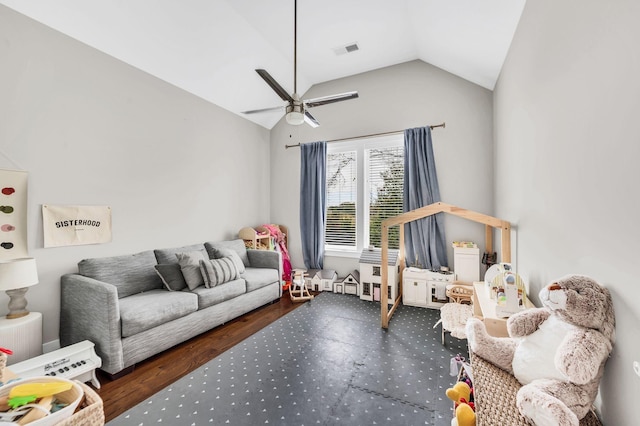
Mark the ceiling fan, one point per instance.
(296, 108)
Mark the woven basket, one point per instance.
(495, 391)
(90, 412)
(70, 397)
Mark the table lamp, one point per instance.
(15, 276)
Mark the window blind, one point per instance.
(341, 199)
(385, 191)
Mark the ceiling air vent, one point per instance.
(349, 48)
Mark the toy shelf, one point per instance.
(258, 237)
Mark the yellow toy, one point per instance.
(465, 416)
(23, 394)
(460, 392)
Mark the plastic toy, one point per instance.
(23, 394)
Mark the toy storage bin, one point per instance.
(72, 397)
(90, 412)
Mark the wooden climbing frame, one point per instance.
(490, 223)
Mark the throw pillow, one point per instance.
(218, 271)
(171, 276)
(190, 267)
(220, 252)
(235, 245)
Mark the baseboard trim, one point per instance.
(51, 346)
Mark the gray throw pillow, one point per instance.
(235, 245)
(171, 276)
(220, 252)
(190, 267)
(218, 271)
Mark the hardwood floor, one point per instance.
(157, 372)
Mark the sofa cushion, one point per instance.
(220, 293)
(259, 277)
(171, 276)
(218, 271)
(131, 274)
(235, 245)
(219, 253)
(168, 255)
(144, 311)
(190, 266)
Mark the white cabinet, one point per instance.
(425, 288)
(466, 263)
(414, 292)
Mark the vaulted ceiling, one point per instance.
(211, 48)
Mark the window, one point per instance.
(364, 187)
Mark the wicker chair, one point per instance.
(459, 293)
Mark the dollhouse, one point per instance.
(321, 279)
(349, 284)
(371, 277)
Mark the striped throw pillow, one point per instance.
(218, 271)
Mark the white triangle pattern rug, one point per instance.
(326, 363)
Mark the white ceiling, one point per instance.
(212, 47)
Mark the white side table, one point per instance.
(22, 335)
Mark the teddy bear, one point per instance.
(557, 352)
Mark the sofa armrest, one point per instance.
(264, 258)
(90, 311)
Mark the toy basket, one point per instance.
(71, 397)
(90, 411)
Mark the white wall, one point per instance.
(92, 130)
(407, 95)
(566, 122)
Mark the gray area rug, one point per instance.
(326, 363)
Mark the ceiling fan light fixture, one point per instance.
(295, 112)
(295, 118)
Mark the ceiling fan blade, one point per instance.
(253, 111)
(310, 120)
(274, 85)
(310, 103)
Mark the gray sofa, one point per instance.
(130, 311)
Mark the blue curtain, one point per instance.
(424, 239)
(313, 158)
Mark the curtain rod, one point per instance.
(443, 125)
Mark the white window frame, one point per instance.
(360, 146)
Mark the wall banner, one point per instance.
(76, 225)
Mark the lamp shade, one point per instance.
(18, 273)
(295, 118)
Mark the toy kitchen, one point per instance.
(426, 288)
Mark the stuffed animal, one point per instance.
(557, 352)
(465, 416)
(460, 392)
